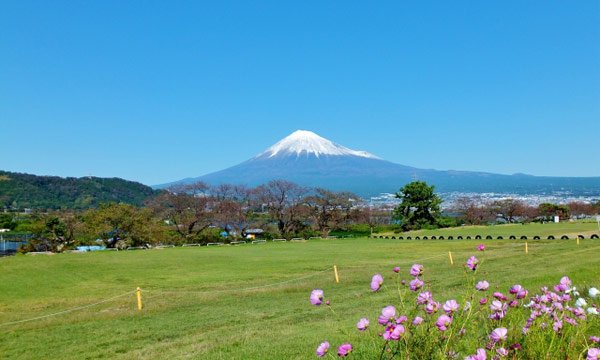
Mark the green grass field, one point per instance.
(247, 301)
(570, 229)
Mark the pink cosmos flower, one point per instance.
(387, 314)
(376, 282)
(515, 289)
(502, 352)
(564, 285)
(417, 320)
(402, 319)
(482, 285)
(443, 322)
(424, 297)
(595, 339)
(416, 284)
(389, 311)
(557, 326)
(500, 296)
(344, 350)
(393, 332)
(416, 270)
(316, 297)
(450, 306)
(472, 263)
(593, 354)
(322, 349)
(362, 324)
(498, 335)
(397, 269)
(481, 247)
(483, 301)
(432, 307)
(480, 355)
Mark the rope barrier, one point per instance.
(67, 311)
(444, 255)
(237, 290)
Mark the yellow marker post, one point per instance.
(138, 292)
(578, 240)
(450, 256)
(337, 276)
(526, 248)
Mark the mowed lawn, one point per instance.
(570, 229)
(247, 301)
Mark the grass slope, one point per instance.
(194, 307)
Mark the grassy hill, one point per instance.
(52, 192)
(247, 301)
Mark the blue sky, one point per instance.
(155, 91)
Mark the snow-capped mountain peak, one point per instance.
(303, 142)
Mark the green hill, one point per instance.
(20, 191)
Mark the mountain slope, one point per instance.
(308, 159)
(53, 192)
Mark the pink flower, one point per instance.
(498, 335)
(397, 269)
(344, 350)
(593, 354)
(322, 349)
(472, 263)
(595, 339)
(417, 320)
(432, 307)
(316, 297)
(402, 319)
(362, 324)
(393, 332)
(480, 355)
(500, 296)
(424, 297)
(387, 314)
(564, 285)
(481, 247)
(557, 326)
(482, 285)
(416, 284)
(376, 282)
(515, 289)
(502, 352)
(443, 322)
(416, 270)
(483, 301)
(450, 306)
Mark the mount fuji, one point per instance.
(308, 159)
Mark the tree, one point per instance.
(330, 209)
(186, 208)
(282, 199)
(121, 225)
(419, 207)
(509, 209)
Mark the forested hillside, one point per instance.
(18, 191)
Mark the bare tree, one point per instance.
(330, 209)
(186, 207)
(282, 199)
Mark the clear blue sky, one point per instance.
(156, 91)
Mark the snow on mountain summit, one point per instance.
(307, 142)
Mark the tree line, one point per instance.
(199, 213)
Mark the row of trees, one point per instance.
(199, 213)
(510, 210)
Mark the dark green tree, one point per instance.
(420, 206)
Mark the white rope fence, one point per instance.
(259, 287)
